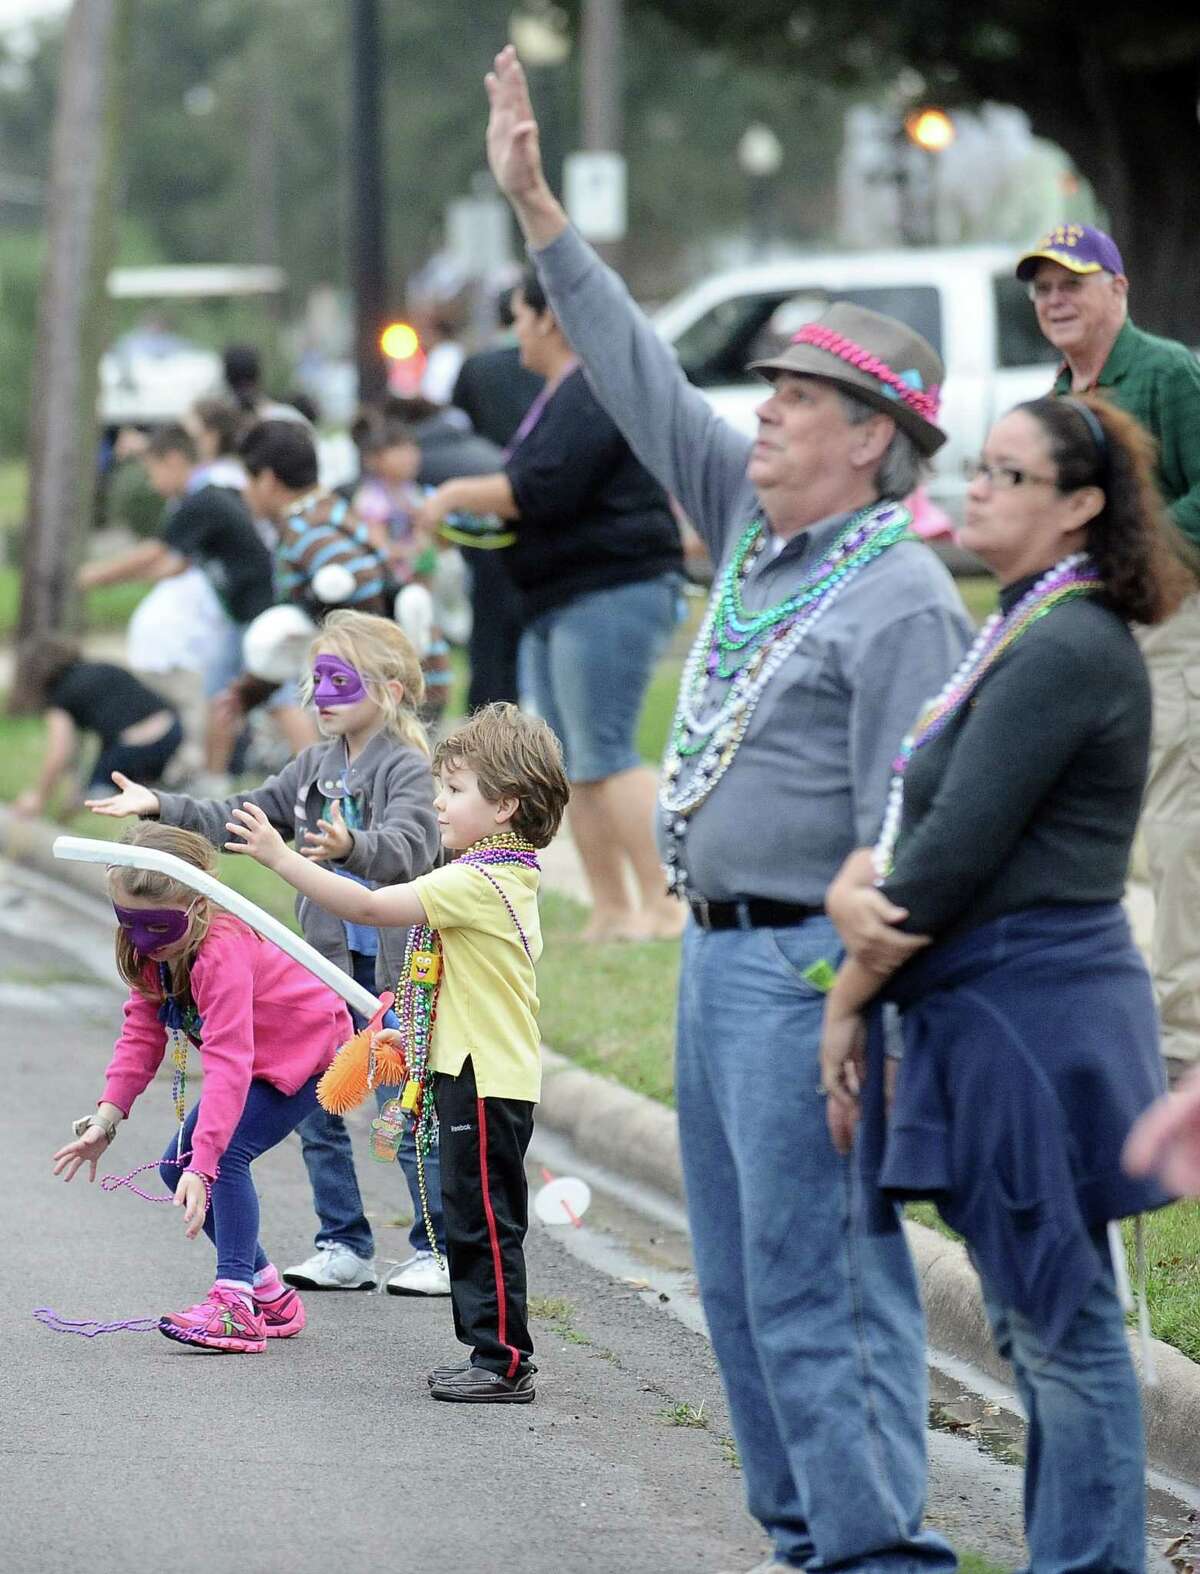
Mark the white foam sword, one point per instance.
(88, 850)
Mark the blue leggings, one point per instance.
(232, 1220)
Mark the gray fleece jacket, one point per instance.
(809, 782)
(398, 841)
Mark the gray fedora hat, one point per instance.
(879, 360)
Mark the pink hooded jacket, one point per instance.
(262, 1015)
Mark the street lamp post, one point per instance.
(926, 133)
(369, 258)
(760, 156)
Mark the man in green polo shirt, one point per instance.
(1079, 290)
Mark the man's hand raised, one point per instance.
(514, 151)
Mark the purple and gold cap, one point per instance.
(1079, 247)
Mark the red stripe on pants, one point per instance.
(494, 1239)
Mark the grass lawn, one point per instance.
(107, 609)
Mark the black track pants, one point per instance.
(486, 1205)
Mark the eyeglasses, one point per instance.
(1073, 284)
(1004, 477)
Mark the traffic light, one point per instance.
(399, 341)
(401, 347)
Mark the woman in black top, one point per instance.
(990, 914)
(139, 731)
(597, 560)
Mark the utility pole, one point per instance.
(603, 80)
(369, 259)
(80, 241)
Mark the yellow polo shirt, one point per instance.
(487, 1007)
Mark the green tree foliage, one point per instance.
(237, 134)
(1117, 88)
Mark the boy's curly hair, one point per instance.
(513, 755)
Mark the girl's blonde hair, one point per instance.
(381, 653)
(149, 885)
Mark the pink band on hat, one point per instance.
(924, 402)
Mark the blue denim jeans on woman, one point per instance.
(588, 664)
(329, 1159)
(1085, 1460)
(816, 1324)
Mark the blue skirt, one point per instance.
(1030, 1048)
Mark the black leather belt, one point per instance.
(751, 912)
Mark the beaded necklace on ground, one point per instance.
(1074, 576)
(744, 650)
(416, 1007)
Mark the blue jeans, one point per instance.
(329, 1160)
(588, 665)
(816, 1324)
(231, 1222)
(1085, 1464)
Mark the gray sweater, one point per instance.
(809, 782)
(398, 841)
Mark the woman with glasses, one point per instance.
(989, 912)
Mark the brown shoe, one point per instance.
(480, 1386)
(441, 1373)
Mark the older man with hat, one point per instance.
(1079, 290)
(827, 628)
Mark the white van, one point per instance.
(966, 302)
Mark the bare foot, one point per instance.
(603, 928)
(664, 921)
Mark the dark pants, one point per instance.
(486, 1205)
(142, 762)
(496, 619)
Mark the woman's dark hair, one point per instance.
(43, 661)
(283, 447)
(1131, 540)
(243, 373)
(532, 292)
(223, 419)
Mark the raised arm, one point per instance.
(391, 907)
(668, 423)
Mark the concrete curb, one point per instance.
(638, 1138)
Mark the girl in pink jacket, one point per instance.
(265, 1030)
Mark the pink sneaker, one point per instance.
(284, 1316)
(222, 1321)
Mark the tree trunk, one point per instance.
(79, 247)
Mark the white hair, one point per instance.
(901, 467)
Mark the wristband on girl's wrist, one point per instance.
(108, 1127)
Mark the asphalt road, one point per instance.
(131, 1453)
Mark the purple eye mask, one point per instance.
(336, 682)
(151, 928)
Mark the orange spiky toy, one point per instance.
(348, 1080)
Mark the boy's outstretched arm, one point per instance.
(394, 906)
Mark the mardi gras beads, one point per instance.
(745, 651)
(1074, 576)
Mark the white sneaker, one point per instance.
(333, 1267)
(420, 1275)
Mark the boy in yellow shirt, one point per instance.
(502, 796)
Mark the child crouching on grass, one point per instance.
(502, 793)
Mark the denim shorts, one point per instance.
(588, 665)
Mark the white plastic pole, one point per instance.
(87, 850)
